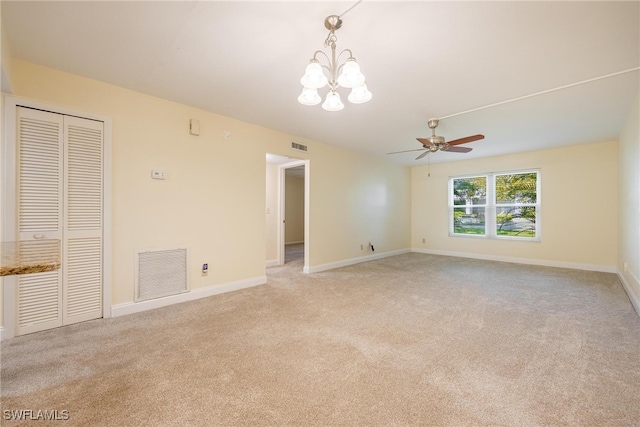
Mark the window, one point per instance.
(496, 205)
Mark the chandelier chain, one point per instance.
(331, 39)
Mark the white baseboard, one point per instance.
(136, 307)
(530, 261)
(351, 261)
(1, 333)
(635, 302)
(271, 263)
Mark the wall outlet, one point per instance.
(424, 240)
(625, 267)
(205, 269)
(362, 247)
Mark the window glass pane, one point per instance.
(516, 221)
(509, 199)
(470, 191)
(516, 188)
(469, 220)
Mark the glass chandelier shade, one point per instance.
(333, 102)
(360, 94)
(351, 76)
(314, 77)
(309, 97)
(333, 74)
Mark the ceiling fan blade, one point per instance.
(423, 154)
(424, 141)
(465, 140)
(458, 149)
(406, 151)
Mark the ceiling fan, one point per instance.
(437, 143)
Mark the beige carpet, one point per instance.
(294, 252)
(408, 340)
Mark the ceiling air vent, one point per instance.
(299, 147)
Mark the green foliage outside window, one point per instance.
(515, 193)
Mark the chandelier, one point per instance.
(346, 75)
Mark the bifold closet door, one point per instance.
(40, 160)
(60, 197)
(82, 231)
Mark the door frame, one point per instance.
(281, 210)
(9, 201)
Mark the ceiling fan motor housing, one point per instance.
(436, 140)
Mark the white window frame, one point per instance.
(491, 206)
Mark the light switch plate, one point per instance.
(194, 127)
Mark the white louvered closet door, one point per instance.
(82, 249)
(60, 197)
(40, 183)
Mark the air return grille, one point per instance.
(299, 147)
(161, 273)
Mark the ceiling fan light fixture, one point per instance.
(333, 102)
(309, 96)
(360, 95)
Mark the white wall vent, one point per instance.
(161, 273)
(299, 147)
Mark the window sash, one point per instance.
(464, 225)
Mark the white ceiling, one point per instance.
(422, 59)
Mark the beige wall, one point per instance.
(579, 211)
(213, 200)
(368, 204)
(629, 248)
(294, 209)
(5, 59)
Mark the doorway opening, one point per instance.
(294, 210)
(287, 240)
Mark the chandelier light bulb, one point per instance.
(309, 97)
(313, 77)
(351, 76)
(333, 102)
(360, 95)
